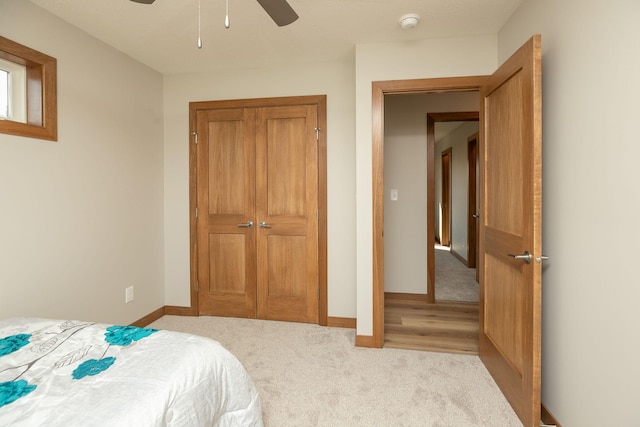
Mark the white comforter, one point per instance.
(69, 373)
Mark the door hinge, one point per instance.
(197, 286)
(195, 137)
(196, 213)
(318, 293)
(317, 134)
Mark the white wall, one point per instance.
(399, 61)
(332, 79)
(81, 218)
(457, 141)
(405, 169)
(591, 105)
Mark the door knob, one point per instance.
(247, 224)
(526, 257)
(264, 225)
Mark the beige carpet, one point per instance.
(308, 375)
(454, 280)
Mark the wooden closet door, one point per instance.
(287, 213)
(226, 212)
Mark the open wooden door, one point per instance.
(472, 202)
(445, 235)
(510, 229)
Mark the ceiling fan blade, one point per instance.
(144, 1)
(280, 11)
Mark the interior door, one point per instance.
(287, 213)
(445, 238)
(472, 203)
(510, 229)
(226, 212)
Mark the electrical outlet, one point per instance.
(128, 295)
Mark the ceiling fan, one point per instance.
(279, 10)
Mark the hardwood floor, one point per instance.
(449, 327)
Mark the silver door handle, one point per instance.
(526, 257)
(264, 225)
(476, 215)
(247, 224)
(541, 258)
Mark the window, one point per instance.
(4, 94)
(13, 91)
(28, 93)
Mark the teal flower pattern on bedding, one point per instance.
(13, 343)
(92, 367)
(121, 336)
(14, 390)
(125, 335)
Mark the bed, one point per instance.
(66, 373)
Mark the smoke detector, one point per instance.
(409, 20)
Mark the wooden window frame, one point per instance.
(41, 99)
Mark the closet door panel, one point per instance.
(226, 211)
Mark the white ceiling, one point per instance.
(164, 35)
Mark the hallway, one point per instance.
(454, 280)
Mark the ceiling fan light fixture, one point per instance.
(409, 20)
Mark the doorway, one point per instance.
(450, 274)
(451, 327)
(380, 89)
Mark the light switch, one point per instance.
(394, 194)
